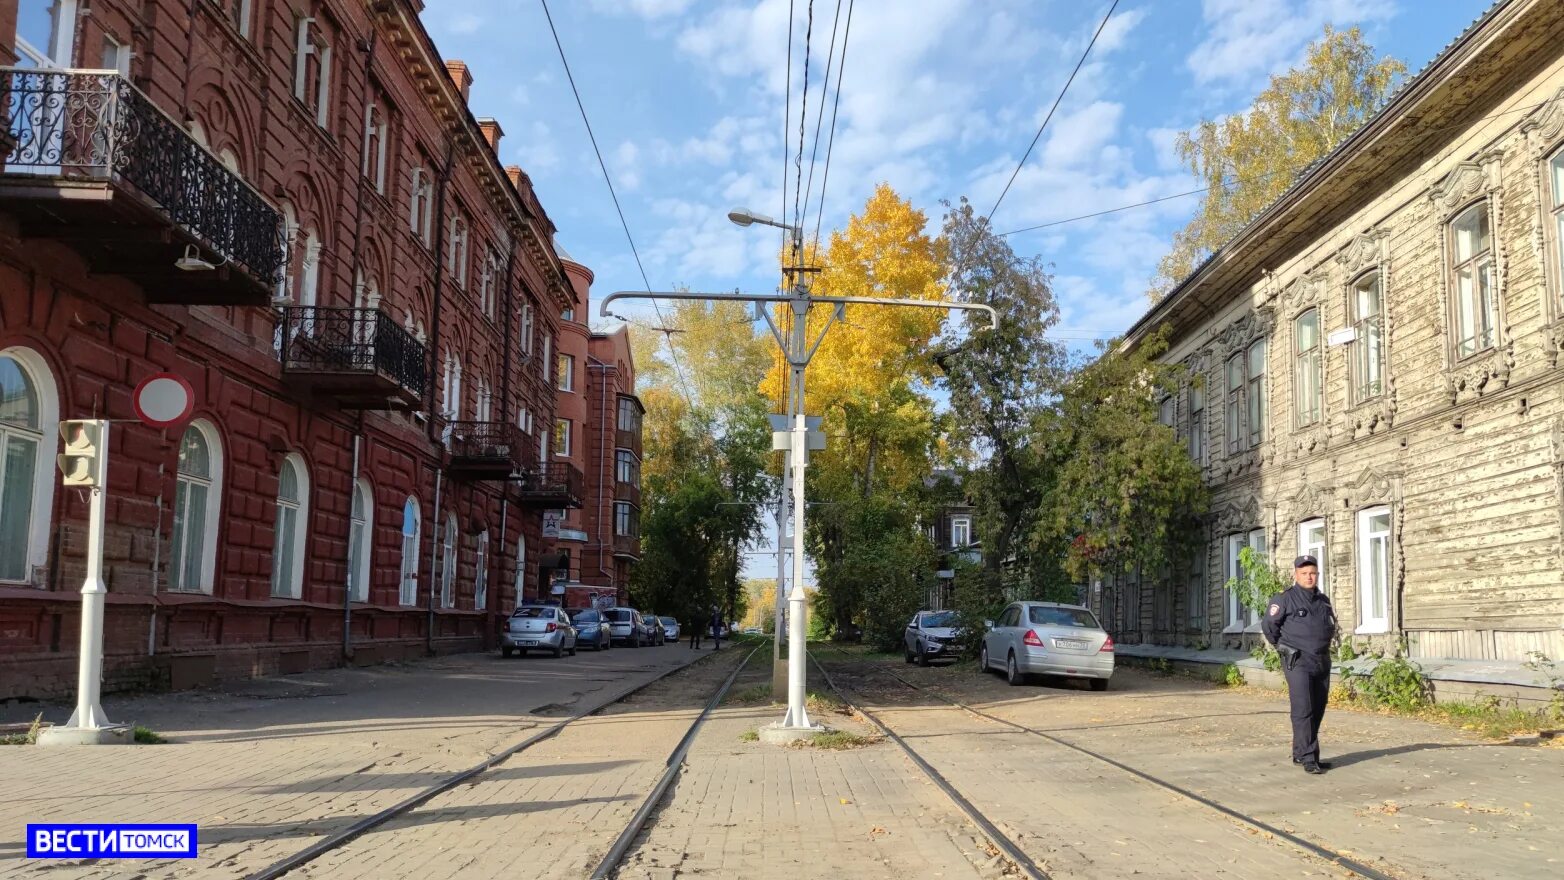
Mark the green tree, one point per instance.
(1248, 159)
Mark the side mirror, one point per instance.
(988, 624)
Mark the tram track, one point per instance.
(1244, 820)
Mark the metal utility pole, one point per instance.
(798, 437)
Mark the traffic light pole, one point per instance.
(800, 349)
(89, 724)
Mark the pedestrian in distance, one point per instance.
(1300, 623)
(695, 630)
(716, 628)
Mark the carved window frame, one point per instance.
(1316, 407)
(1544, 133)
(1466, 185)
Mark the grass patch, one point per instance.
(760, 693)
(820, 704)
(837, 740)
(147, 736)
(30, 737)
(750, 736)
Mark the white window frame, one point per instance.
(1368, 622)
(555, 437)
(291, 533)
(1484, 309)
(374, 165)
(39, 529)
(1308, 371)
(1237, 367)
(521, 567)
(361, 539)
(1239, 618)
(116, 55)
(526, 328)
(1257, 407)
(486, 284)
(420, 196)
(1167, 411)
(960, 532)
(451, 389)
(450, 557)
(305, 46)
(456, 250)
(1553, 172)
(485, 409)
(1312, 541)
(1368, 344)
(565, 373)
(546, 363)
(480, 594)
(214, 501)
(62, 40)
(407, 586)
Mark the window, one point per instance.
(46, 32)
(561, 436)
(374, 159)
(488, 282)
(1195, 591)
(448, 563)
(309, 274)
(627, 520)
(1374, 570)
(451, 389)
(197, 496)
(312, 69)
(1368, 348)
(116, 56)
(960, 531)
(526, 328)
(292, 522)
(29, 413)
(1471, 249)
(421, 205)
(360, 540)
(629, 415)
(568, 314)
(1235, 403)
(290, 237)
(1197, 422)
(627, 468)
(1556, 186)
(1307, 377)
(1166, 411)
(1311, 542)
(524, 420)
(456, 249)
(521, 567)
(546, 363)
(480, 578)
(412, 524)
(565, 374)
(1256, 393)
(1240, 618)
(485, 402)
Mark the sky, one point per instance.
(690, 100)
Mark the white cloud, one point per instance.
(1078, 136)
(643, 8)
(1117, 31)
(466, 23)
(1250, 39)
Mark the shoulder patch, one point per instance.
(1275, 609)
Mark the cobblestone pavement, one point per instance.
(1408, 797)
(268, 767)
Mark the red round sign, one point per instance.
(163, 400)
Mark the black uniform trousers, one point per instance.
(1308, 689)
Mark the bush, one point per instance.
(1396, 684)
(1268, 656)
(1232, 676)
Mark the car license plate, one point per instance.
(1071, 643)
(528, 642)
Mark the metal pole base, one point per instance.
(114, 735)
(781, 735)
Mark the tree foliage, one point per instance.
(1248, 159)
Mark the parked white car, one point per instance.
(1046, 638)
(929, 636)
(539, 628)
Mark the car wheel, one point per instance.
(521, 652)
(506, 652)
(923, 656)
(1013, 674)
(907, 654)
(983, 666)
(560, 650)
(1099, 684)
(573, 646)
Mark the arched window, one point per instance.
(412, 523)
(360, 540)
(29, 413)
(448, 564)
(419, 205)
(309, 270)
(485, 402)
(480, 595)
(521, 567)
(451, 396)
(293, 486)
(197, 496)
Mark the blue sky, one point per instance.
(940, 98)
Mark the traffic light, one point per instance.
(82, 461)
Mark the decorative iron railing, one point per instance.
(318, 339)
(557, 480)
(489, 441)
(94, 125)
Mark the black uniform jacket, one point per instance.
(1302, 619)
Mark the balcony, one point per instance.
(485, 450)
(630, 440)
(627, 546)
(92, 163)
(557, 485)
(354, 358)
(627, 492)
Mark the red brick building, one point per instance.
(290, 204)
(597, 429)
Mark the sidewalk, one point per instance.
(269, 766)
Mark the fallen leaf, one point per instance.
(844, 800)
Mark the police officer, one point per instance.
(1300, 623)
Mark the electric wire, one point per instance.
(825, 86)
(803, 116)
(830, 142)
(787, 118)
(673, 351)
(1051, 110)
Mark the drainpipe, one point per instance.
(496, 586)
(434, 549)
(347, 583)
(507, 310)
(157, 563)
(439, 277)
(602, 476)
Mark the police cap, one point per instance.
(1302, 561)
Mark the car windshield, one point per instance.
(534, 612)
(585, 617)
(668, 621)
(939, 618)
(1077, 617)
(619, 615)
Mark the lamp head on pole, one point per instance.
(745, 217)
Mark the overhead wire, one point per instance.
(825, 85)
(673, 351)
(830, 142)
(803, 117)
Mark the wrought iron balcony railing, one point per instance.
(558, 483)
(354, 354)
(94, 126)
(491, 447)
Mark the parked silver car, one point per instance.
(591, 629)
(626, 627)
(1046, 638)
(929, 636)
(670, 629)
(538, 628)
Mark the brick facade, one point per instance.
(350, 227)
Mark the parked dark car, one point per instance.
(654, 629)
(592, 631)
